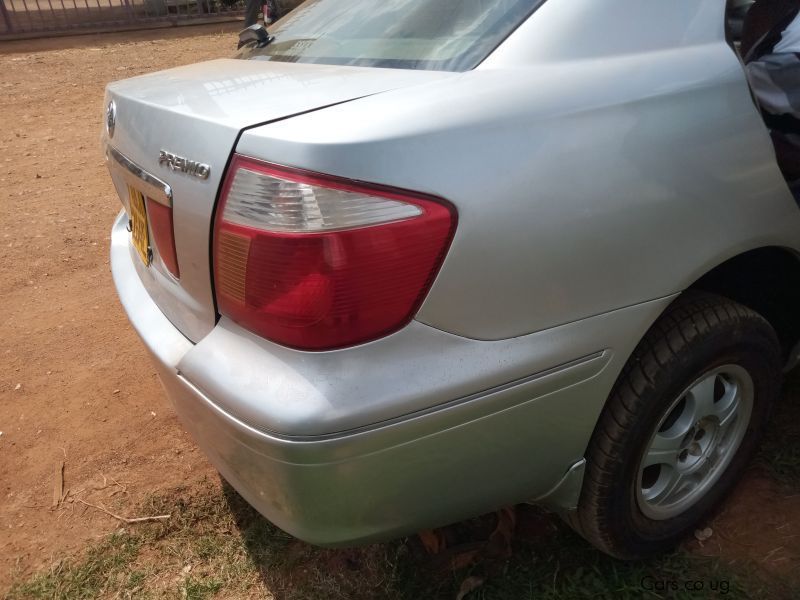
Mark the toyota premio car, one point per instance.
(399, 263)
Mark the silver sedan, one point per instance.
(399, 263)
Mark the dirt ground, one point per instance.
(75, 385)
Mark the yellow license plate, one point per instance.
(138, 215)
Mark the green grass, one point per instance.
(215, 545)
(104, 566)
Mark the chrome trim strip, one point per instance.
(136, 176)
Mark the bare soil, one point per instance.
(75, 383)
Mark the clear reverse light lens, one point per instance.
(272, 203)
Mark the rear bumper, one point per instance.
(462, 427)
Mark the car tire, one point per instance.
(681, 423)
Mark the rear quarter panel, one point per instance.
(587, 178)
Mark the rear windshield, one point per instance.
(443, 35)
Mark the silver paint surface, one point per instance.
(397, 475)
(587, 176)
(601, 160)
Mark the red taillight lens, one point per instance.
(161, 227)
(317, 262)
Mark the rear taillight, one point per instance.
(317, 262)
(161, 226)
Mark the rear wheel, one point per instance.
(679, 427)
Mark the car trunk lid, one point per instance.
(176, 130)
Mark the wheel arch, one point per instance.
(767, 280)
